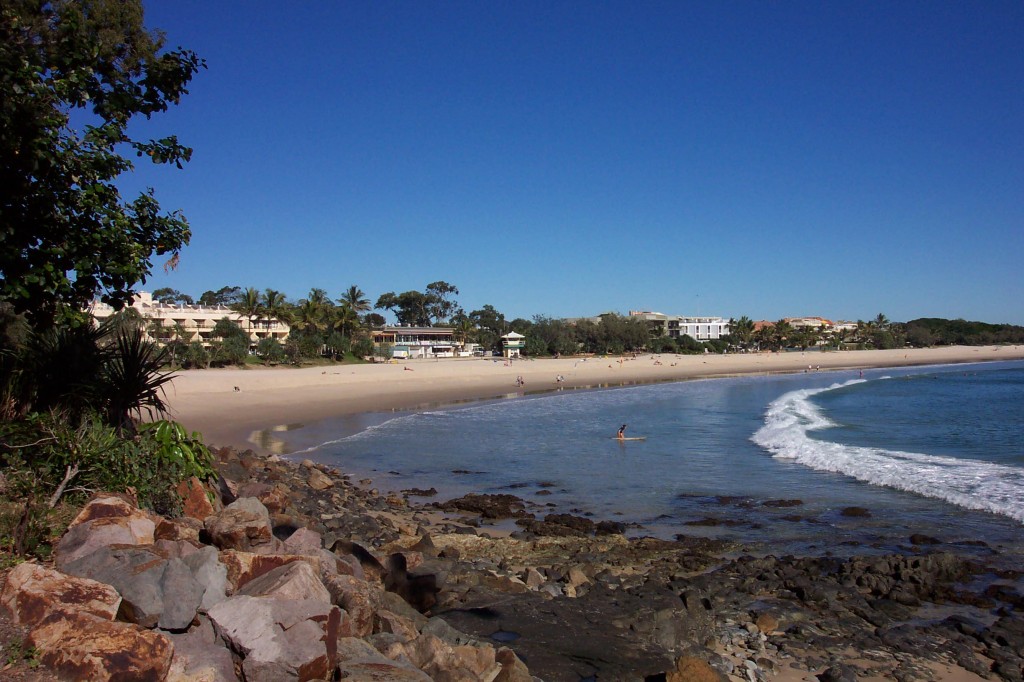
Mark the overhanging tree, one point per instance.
(73, 76)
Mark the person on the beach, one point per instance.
(622, 432)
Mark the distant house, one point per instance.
(188, 323)
(417, 342)
(813, 322)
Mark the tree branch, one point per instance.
(68, 475)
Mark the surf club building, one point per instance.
(416, 342)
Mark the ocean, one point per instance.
(812, 463)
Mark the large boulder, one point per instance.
(280, 639)
(245, 566)
(201, 656)
(80, 646)
(358, 597)
(196, 503)
(358, 661)
(105, 520)
(292, 581)
(274, 497)
(156, 592)
(304, 541)
(447, 663)
(33, 592)
(209, 572)
(244, 525)
(512, 669)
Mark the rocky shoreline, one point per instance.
(567, 598)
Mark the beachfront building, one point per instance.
(165, 322)
(417, 342)
(701, 328)
(810, 323)
(512, 344)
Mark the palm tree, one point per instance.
(354, 298)
(275, 306)
(309, 316)
(318, 297)
(863, 331)
(464, 328)
(764, 337)
(249, 306)
(742, 330)
(346, 320)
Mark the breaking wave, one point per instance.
(972, 484)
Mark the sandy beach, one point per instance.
(229, 406)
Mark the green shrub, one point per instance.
(48, 457)
(196, 356)
(270, 350)
(362, 348)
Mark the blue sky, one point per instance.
(768, 159)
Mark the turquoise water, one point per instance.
(933, 450)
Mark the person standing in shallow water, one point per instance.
(622, 432)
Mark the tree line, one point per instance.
(317, 322)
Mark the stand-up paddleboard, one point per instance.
(630, 438)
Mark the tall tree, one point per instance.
(275, 306)
(441, 305)
(169, 296)
(491, 326)
(249, 306)
(742, 331)
(68, 234)
(346, 320)
(410, 307)
(222, 298)
(355, 299)
(309, 316)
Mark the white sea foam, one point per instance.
(968, 483)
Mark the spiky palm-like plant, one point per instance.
(132, 380)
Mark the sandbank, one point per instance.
(229, 407)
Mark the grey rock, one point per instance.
(156, 592)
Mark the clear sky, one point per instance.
(768, 159)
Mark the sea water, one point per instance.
(799, 463)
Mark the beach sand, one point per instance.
(230, 407)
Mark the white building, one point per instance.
(701, 328)
(812, 322)
(417, 342)
(512, 344)
(196, 321)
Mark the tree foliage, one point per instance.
(436, 305)
(110, 371)
(224, 297)
(74, 76)
(927, 331)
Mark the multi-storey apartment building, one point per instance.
(192, 322)
(702, 328)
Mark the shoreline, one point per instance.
(245, 408)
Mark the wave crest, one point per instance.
(971, 484)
